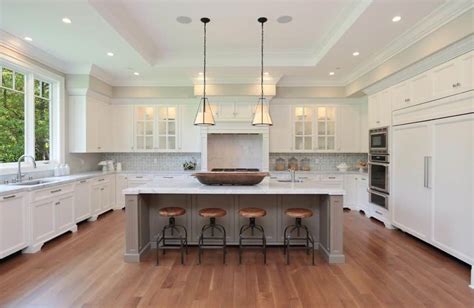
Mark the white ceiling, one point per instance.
(145, 37)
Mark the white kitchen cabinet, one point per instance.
(362, 193)
(144, 128)
(412, 179)
(325, 129)
(350, 186)
(156, 128)
(189, 134)
(452, 185)
(303, 128)
(356, 197)
(51, 213)
(281, 130)
(364, 129)
(102, 195)
(421, 89)
(400, 95)
(82, 200)
(231, 111)
(453, 77)
(121, 183)
(122, 128)
(348, 130)
(89, 125)
(13, 223)
(380, 109)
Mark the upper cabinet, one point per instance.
(241, 112)
(380, 109)
(156, 128)
(454, 76)
(316, 128)
(90, 121)
(122, 128)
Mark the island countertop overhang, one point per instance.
(267, 187)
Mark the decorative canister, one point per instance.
(293, 163)
(305, 164)
(280, 164)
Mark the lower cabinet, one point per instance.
(82, 200)
(121, 183)
(357, 197)
(102, 194)
(51, 214)
(13, 225)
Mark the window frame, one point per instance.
(33, 71)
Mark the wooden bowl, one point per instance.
(230, 178)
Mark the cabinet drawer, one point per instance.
(101, 180)
(138, 177)
(52, 192)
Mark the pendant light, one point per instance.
(262, 111)
(204, 115)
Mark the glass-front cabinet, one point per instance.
(156, 128)
(314, 128)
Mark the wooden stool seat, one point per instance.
(212, 212)
(299, 212)
(172, 211)
(252, 212)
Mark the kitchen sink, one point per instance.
(32, 182)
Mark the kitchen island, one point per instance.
(143, 223)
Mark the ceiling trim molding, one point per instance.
(304, 82)
(153, 100)
(438, 18)
(349, 15)
(17, 45)
(457, 49)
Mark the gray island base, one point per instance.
(143, 222)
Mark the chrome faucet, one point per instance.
(19, 176)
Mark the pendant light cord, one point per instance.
(204, 73)
(261, 69)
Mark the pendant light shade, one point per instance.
(262, 115)
(204, 116)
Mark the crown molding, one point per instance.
(304, 82)
(19, 46)
(348, 16)
(438, 18)
(457, 49)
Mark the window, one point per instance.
(25, 116)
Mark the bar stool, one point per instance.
(212, 214)
(252, 213)
(171, 213)
(298, 214)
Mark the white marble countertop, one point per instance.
(268, 186)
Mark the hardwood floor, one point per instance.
(383, 268)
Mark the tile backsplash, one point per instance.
(153, 161)
(320, 161)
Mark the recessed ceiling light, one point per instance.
(29, 39)
(266, 73)
(136, 74)
(200, 73)
(184, 19)
(66, 20)
(355, 53)
(331, 73)
(110, 54)
(284, 19)
(396, 18)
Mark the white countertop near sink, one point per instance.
(268, 186)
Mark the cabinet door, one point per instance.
(348, 129)
(104, 125)
(421, 89)
(167, 128)
(400, 95)
(465, 66)
(121, 183)
(411, 179)
(362, 194)
(122, 128)
(64, 213)
(364, 129)
(105, 197)
(350, 198)
(303, 128)
(325, 129)
(244, 111)
(93, 114)
(42, 216)
(445, 78)
(189, 134)
(82, 200)
(144, 128)
(453, 199)
(373, 112)
(226, 111)
(96, 199)
(280, 131)
(13, 215)
(385, 109)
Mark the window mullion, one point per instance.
(30, 115)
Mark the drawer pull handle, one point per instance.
(100, 180)
(139, 177)
(58, 203)
(378, 212)
(332, 177)
(55, 191)
(168, 177)
(83, 181)
(101, 189)
(9, 197)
